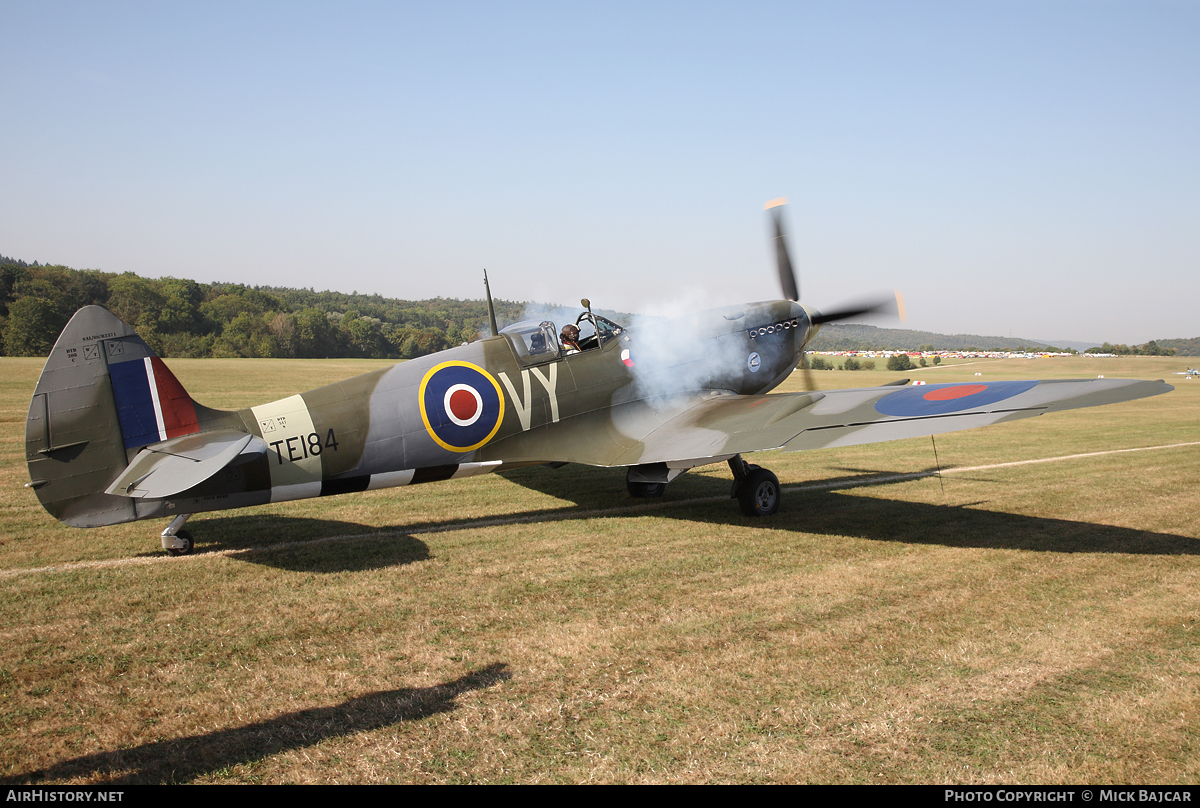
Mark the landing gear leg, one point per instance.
(755, 489)
(175, 541)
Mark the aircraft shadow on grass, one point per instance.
(325, 546)
(877, 519)
(183, 759)
(303, 544)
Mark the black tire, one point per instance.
(186, 549)
(640, 490)
(758, 494)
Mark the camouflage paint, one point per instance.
(474, 409)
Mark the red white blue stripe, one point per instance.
(152, 405)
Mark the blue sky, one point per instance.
(1030, 168)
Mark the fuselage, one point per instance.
(516, 398)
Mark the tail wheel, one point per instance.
(186, 549)
(758, 494)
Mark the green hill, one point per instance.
(854, 337)
(1183, 347)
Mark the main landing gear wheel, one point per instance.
(639, 490)
(758, 494)
(186, 549)
(755, 488)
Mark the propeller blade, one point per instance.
(787, 277)
(809, 384)
(791, 290)
(893, 304)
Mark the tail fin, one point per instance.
(102, 395)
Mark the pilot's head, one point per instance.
(570, 333)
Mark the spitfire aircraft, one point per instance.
(112, 436)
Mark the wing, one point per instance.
(691, 430)
(855, 417)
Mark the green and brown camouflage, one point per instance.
(96, 457)
(113, 437)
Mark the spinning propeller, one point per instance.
(890, 304)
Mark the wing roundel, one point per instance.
(943, 399)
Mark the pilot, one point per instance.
(570, 339)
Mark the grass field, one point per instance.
(1030, 623)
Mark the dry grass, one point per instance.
(1032, 623)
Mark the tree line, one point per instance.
(1151, 348)
(179, 317)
